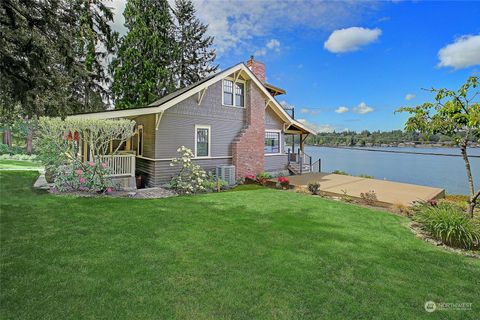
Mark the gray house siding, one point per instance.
(165, 172)
(177, 128)
(275, 162)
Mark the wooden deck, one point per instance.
(388, 192)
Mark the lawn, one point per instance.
(252, 254)
(19, 164)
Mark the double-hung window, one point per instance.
(272, 142)
(233, 94)
(202, 141)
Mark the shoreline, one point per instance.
(371, 149)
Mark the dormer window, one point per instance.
(233, 94)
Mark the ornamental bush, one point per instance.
(191, 177)
(59, 142)
(449, 224)
(87, 176)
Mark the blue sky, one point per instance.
(364, 57)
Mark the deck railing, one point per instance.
(120, 165)
(302, 162)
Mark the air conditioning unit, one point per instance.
(226, 173)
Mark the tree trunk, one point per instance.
(30, 139)
(7, 137)
(473, 196)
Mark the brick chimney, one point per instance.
(258, 68)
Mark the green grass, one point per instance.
(251, 254)
(19, 164)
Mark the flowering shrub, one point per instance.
(263, 177)
(250, 177)
(191, 178)
(284, 182)
(78, 176)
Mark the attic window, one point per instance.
(231, 98)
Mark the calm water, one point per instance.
(428, 170)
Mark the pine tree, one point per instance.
(142, 70)
(94, 42)
(195, 56)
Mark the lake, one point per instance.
(428, 170)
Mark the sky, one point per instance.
(347, 65)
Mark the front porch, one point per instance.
(298, 161)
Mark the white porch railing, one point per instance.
(120, 165)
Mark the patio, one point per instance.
(388, 192)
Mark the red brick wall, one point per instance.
(248, 146)
(258, 68)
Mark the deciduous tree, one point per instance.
(454, 113)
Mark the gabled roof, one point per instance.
(173, 98)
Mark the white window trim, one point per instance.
(243, 82)
(200, 126)
(140, 127)
(279, 142)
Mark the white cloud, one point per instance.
(321, 128)
(341, 110)
(462, 53)
(309, 111)
(271, 45)
(351, 39)
(236, 26)
(362, 108)
(410, 96)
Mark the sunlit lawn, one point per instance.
(19, 164)
(252, 254)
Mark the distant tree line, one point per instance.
(378, 138)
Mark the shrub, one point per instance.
(366, 176)
(90, 177)
(343, 173)
(263, 177)
(345, 197)
(314, 187)
(369, 197)
(14, 150)
(211, 184)
(284, 182)
(449, 224)
(191, 178)
(23, 157)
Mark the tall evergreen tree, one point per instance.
(195, 55)
(49, 52)
(94, 42)
(142, 70)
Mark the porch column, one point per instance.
(301, 142)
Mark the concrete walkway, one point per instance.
(388, 192)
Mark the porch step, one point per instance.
(295, 168)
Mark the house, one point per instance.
(231, 117)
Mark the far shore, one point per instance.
(420, 146)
